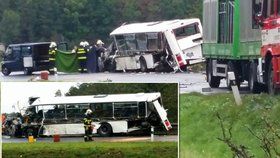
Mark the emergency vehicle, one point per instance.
(242, 36)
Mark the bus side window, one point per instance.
(130, 42)
(125, 110)
(152, 42)
(102, 110)
(142, 109)
(141, 39)
(121, 43)
(186, 31)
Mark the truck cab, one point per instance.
(27, 57)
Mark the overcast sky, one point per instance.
(13, 93)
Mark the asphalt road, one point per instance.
(171, 138)
(189, 82)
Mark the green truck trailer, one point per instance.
(232, 40)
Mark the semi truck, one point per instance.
(242, 37)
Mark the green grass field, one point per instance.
(92, 149)
(200, 127)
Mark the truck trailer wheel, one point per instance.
(5, 71)
(105, 130)
(270, 82)
(252, 79)
(214, 81)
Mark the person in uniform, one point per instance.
(52, 52)
(88, 126)
(82, 57)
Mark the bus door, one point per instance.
(162, 114)
(186, 43)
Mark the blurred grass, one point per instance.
(91, 149)
(200, 128)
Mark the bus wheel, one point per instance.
(143, 64)
(214, 81)
(252, 80)
(105, 130)
(270, 82)
(27, 71)
(5, 71)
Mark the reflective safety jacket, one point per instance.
(81, 54)
(87, 121)
(52, 54)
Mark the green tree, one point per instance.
(10, 26)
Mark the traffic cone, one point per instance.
(56, 138)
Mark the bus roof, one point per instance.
(29, 44)
(136, 97)
(149, 27)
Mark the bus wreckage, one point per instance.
(120, 113)
(161, 46)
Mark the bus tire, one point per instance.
(27, 71)
(105, 130)
(214, 81)
(143, 64)
(5, 71)
(270, 83)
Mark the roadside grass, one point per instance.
(200, 127)
(91, 149)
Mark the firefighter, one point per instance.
(88, 126)
(52, 52)
(82, 57)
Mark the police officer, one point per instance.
(88, 126)
(82, 57)
(52, 52)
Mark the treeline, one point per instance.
(169, 92)
(75, 20)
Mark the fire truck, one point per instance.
(242, 36)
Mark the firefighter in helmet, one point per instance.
(52, 53)
(82, 57)
(88, 126)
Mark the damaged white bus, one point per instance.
(161, 46)
(120, 113)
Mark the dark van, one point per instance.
(27, 57)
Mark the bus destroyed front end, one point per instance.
(158, 115)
